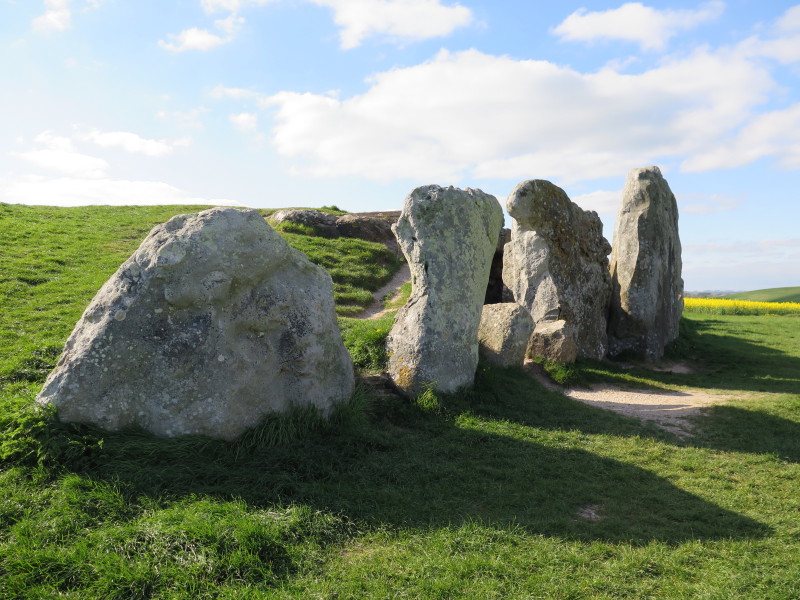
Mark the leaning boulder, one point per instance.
(647, 301)
(448, 237)
(556, 264)
(213, 323)
(504, 332)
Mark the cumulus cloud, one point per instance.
(703, 204)
(773, 134)
(473, 114)
(634, 22)
(76, 179)
(601, 201)
(403, 19)
(131, 142)
(59, 154)
(244, 122)
(221, 91)
(192, 39)
(57, 17)
(78, 191)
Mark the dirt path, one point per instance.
(669, 410)
(376, 310)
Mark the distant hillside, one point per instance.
(783, 294)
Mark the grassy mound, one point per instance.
(782, 294)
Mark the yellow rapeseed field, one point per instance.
(721, 306)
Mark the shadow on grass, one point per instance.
(721, 361)
(735, 429)
(412, 468)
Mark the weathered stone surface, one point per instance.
(647, 300)
(556, 264)
(448, 237)
(553, 340)
(504, 333)
(211, 324)
(370, 229)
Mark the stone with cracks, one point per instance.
(646, 268)
(553, 340)
(504, 332)
(213, 323)
(448, 237)
(556, 264)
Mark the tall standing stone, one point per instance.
(556, 265)
(448, 237)
(213, 323)
(647, 301)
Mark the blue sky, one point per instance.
(272, 103)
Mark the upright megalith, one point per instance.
(213, 323)
(556, 265)
(647, 301)
(448, 237)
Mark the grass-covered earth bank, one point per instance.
(508, 490)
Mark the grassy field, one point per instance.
(505, 491)
(782, 294)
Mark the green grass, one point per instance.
(782, 294)
(473, 495)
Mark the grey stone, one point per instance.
(210, 325)
(496, 291)
(647, 301)
(323, 223)
(371, 229)
(504, 333)
(553, 340)
(556, 264)
(448, 237)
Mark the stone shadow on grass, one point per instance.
(435, 467)
(734, 429)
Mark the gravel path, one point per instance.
(376, 310)
(669, 410)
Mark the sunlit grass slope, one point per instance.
(782, 294)
(479, 495)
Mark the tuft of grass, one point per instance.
(365, 339)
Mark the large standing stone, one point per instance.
(211, 324)
(504, 332)
(556, 264)
(646, 267)
(448, 237)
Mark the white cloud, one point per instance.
(57, 17)
(77, 191)
(634, 22)
(773, 134)
(704, 204)
(470, 113)
(59, 154)
(790, 21)
(233, 6)
(601, 201)
(131, 142)
(244, 122)
(187, 119)
(404, 19)
(221, 91)
(192, 39)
